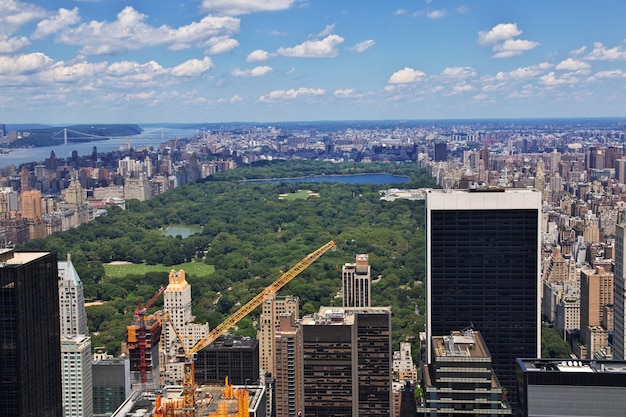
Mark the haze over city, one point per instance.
(244, 60)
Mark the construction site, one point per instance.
(163, 349)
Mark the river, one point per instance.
(152, 138)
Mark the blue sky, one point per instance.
(114, 61)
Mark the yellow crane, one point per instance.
(188, 408)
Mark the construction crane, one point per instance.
(139, 315)
(188, 356)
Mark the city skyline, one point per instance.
(285, 60)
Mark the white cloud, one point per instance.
(258, 55)
(15, 14)
(130, 32)
(192, 67)
(75, 73)
(499, 32)
(520, 73)
(602, 53)
(24, 64)
(12, 45)
(363, 46)
(238, 7)
(459, 72)
(461, 88)
(222, 45)
(235, 99)
(572, 65)
(406, 76)
(501, 37)
(551, 79)
(53, 24)
(609, 74)
(400, 12)
(329, 29)
(462, 9)
(513, 47)
(579, 51)
(253, 72)
(346, 92)
(437, 14)
(323, 48)
(279, 95)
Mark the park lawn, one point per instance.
(299, 195)
(191, 268)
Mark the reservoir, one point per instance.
(378, 179)
(182, 230)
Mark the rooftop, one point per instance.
(572, 365)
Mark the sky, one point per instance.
(158, 61)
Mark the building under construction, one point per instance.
(133, 345)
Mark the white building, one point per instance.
(403, 367)
(77, 380)
(73, 318)
(177, 302)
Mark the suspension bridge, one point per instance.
(74, 135)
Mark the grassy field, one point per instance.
(301, 194)
(191, 268)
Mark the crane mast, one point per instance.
(188, 408)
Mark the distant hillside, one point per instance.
(47, 136)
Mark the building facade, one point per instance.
(565, 387)
(77, 376)
(111, 385)
(73, 317)
(596, 293)
(619, 294)
(229, 356)
(357, 281)
(177, 302)
(347, 362)
(30, 364)
(289, 371)
(483, 271)
(269, 322)
(460, 380)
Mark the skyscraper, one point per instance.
(77, 376)
(596, 292)
(72, 313)
(289, 372)
(347, 362)
(177, 302)
(75, 343)
(30, 363)
(619, 294)
(269, 322)
(483, 270)
(356, 281)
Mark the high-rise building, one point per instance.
(347, 362)
(177, 302)
(234, 357)
(483, 271)
(565, 387)
(356, 281)
(596, 292)
(77, 376)
(30, 363)
(619, 294)
(133, 344)
(73, 317)
(111, 385)
(441, 152)
(75, 343)
(289, 372)
(460, 381)
(269, 322)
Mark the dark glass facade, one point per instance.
(483, 267)
(30, 348)
(233, 357)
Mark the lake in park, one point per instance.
(379, 179)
